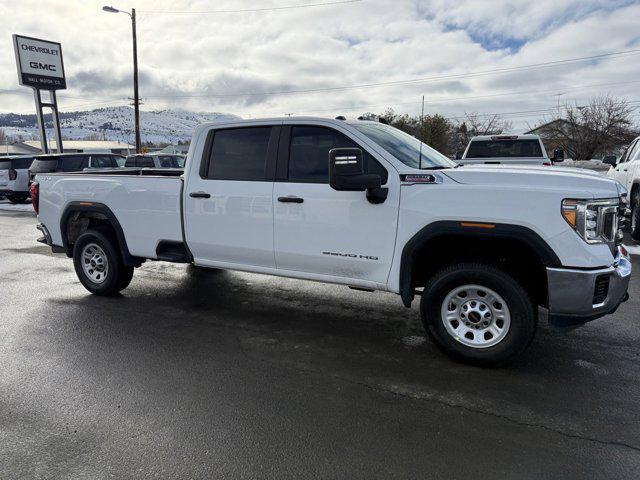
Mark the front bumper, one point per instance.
(579, 296)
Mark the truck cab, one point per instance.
(508, 149)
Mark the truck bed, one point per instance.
(146, 203)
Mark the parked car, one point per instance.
(155, 160)
(490, 251)
(14, 177)
(626, 170)
(72, 162)
(508, 149)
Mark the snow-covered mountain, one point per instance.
(113, 123)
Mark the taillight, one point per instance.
(13, 174)
(547, 164)
(34, 189)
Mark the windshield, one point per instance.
(504, 149)
(404, 147)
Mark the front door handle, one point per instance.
(199, 195)
(290, 199)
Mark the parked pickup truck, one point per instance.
(490, 250)
(626, 170)
(509, 149)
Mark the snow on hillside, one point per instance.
(115, 123)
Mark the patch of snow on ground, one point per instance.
(20, 207)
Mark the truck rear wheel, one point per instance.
(478, 314)
(99, 265)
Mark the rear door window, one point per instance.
(101, 161)
(504, 149)
(74, 163)
(239, 154)
(145, 161)
(168, 161)
(5, 164)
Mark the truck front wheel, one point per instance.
(478, 314)
(635, 217)
(99, 265)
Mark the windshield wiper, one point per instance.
(437, 167)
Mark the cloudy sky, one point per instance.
(346, 57)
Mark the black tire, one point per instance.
(116, 277)
(523, 321)
(635, 217)
(17, 198)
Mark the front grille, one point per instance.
(601, 289)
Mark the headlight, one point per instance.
(596, 221)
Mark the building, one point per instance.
(18, 148)
(86, 146)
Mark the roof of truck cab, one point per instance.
(278, 120)
(528, 136)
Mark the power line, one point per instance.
(245, 10)
(533, 66)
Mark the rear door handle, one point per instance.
(290, 199)
(199, 195)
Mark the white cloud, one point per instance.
(183, 57)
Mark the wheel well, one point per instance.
(80, 222)
(635, 190)
(78, 219)
(512, 255)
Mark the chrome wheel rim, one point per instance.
(475, 316)
(94, 263)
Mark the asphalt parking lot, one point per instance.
(198, 374)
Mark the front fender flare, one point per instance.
(468, 229)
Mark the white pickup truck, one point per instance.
(508, 149)
(490, 250)
(626, 170)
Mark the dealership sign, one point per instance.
(39, 63)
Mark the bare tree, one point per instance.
(478, 124)
(601, 126)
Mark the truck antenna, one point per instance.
(421, 129)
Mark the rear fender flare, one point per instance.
(91, 207)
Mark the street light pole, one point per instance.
(136, 96)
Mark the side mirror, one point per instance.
(346, 171)
(610, 160)
(558, 155)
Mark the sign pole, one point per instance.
(40, 119)
(56, 121)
